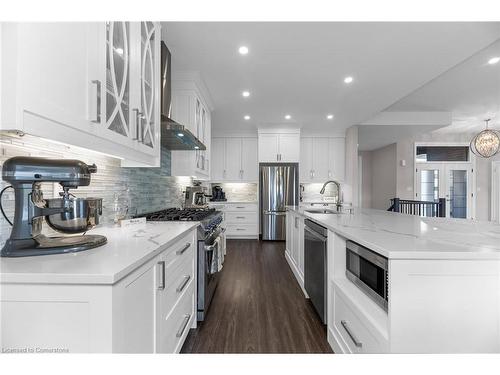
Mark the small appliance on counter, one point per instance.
(195, 197)
(218, 195)
(67, 214)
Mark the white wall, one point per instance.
(406, 175)
(351, 185)
(383, 176)
(366, 179)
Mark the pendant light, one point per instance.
(486, 143)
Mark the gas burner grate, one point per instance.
(177, 214)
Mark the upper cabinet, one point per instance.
(235, 160)
(322, 158)
(279, 146)
(92, 85)
(191, 107)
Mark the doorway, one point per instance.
(453, 181)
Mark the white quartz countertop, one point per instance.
(127, 249)
(400, 236)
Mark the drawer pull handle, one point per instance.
(240, 206)
(183, 325)
(181, 251)
(240, 229)
(181, 287)
(161, 281)
(240, 217)
(351, 335)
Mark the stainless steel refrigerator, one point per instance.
(279, 187)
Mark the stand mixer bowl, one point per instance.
(81, 215)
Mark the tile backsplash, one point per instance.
(149, 188)
(240, 191)
(311, 192)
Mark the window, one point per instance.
(442, 153)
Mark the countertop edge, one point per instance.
(408, 255)
(70, 279)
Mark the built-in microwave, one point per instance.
(369, 272)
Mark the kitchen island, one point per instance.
(135, 294)
(443, 282)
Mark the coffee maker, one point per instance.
(67, 214)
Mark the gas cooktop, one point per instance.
(177, 214)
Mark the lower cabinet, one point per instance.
(241, 220)
(294, 252)
(149, 311)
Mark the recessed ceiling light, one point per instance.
(245, 94)
(246, 117)
(329, 117)
(288, 117)
(180, 134)
(493, 60)
(243, 50)
(348, 79)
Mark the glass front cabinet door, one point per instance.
(130, 95)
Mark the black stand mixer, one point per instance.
(66, 214)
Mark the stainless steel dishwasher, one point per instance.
(315, 239)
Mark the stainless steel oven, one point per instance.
(369, 271)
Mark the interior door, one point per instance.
(458, 190)
(452, 181)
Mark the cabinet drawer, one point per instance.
(241, 217)
(177, 283)
(240, 207)
(353, 332)
(242, 230)
(181, 250)
(175, 328)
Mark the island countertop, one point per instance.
(127, 248)
(401, 236)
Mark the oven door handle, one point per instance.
(210, 247)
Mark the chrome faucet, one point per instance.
(337, 184)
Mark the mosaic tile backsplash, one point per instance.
(240, 191)
(149, 189)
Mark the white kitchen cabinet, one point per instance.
(235, 160)
(295, 245)
(241, 220)
(249, 159)
(218, 159)
(80, 84)
(150, 310)
(191, 108)
(279, 146)
(322, 158)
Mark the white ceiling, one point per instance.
(470, 91)
(298, 68)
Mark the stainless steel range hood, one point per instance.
(174, 136)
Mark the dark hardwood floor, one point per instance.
(258, 307)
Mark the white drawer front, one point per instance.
(242, 230)
(353, 332)
(240, 207)
(181, 250)
(176, 326)
(177, 283)
(241, 217)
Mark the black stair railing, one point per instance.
(419, 208)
